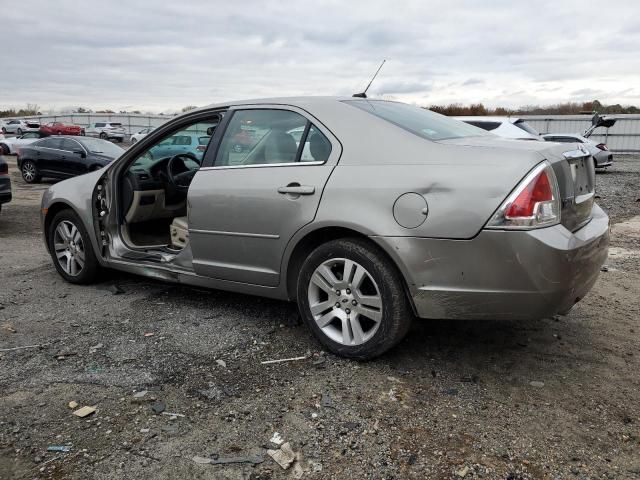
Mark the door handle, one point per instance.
(297, 189)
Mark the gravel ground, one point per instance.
(555, 398)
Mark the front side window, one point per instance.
(70, 145)
(420, 121)
(522, 125)
(270, 137)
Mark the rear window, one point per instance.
(422, 122)
(521, 124)
(488, 126)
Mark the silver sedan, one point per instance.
(367, 213)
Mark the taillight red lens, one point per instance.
(201, 148)
(602, 146)
(539, 190)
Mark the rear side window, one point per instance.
(70, 145)
(488, 126)
(422, 122)
(521, 124)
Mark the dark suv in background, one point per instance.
(5, 182)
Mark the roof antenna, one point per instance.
(364, 94)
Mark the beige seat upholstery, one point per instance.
(179, 232)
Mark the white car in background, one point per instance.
(507, 127)
(601, 155)
(141, 134)
(20, 126)
(10, 145)
(106, 131)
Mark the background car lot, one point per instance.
(555, 398)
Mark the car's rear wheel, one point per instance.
(352, 298)
(19, 132)
(30, 173)
(4, 130)
(4, 149)
(82, 133)
(71, 248)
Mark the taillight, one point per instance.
(4, 169)
(201, 148)
(534, 203)
(602, 146)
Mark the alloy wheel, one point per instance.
(29, 172)
(345, 301)
(69, 248)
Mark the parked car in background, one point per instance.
(20, 126)
(601, 155)
(64, 157)
(58, 128)
(10, 145)
(192, 144)
(398, 210)
(5, 182)
(507, 127)
(106, 131)
(141, 134)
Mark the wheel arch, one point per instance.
(312, 239)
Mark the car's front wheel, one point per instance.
(352, 298)
(19, 132)
(71, 248)
(103, 136)
(30, 172)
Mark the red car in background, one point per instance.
(57, 128)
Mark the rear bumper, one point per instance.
(502, 274)
(603, 159)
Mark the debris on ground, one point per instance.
(21, 348)
(173, 414)
(140, 394)
(222, 363)
(84, 411)
(604, 268)
(281, 360)
(158, 407)
(73, 404)
(284, 456)
(59, 448)
(326, 400)
(276, 439)
(7, 327)
(462, 472)
(536, 384)
(115, 289)
(254, 460)
(149, 334)
(95, 347)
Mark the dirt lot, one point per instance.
(556, 398)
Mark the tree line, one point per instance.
(567, 108)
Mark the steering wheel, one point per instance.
(179, 174)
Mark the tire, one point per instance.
(4, 130)
(133, 141)
(103, 136)
(82, 133)
(30, 173)
(4, 149)
(372, 312)
(75, 259)
(19, 132)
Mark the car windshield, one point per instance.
(420, 121)
(102, 147)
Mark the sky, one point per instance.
(159, 56)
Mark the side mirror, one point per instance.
(81, 153)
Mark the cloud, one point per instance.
(163, 55)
